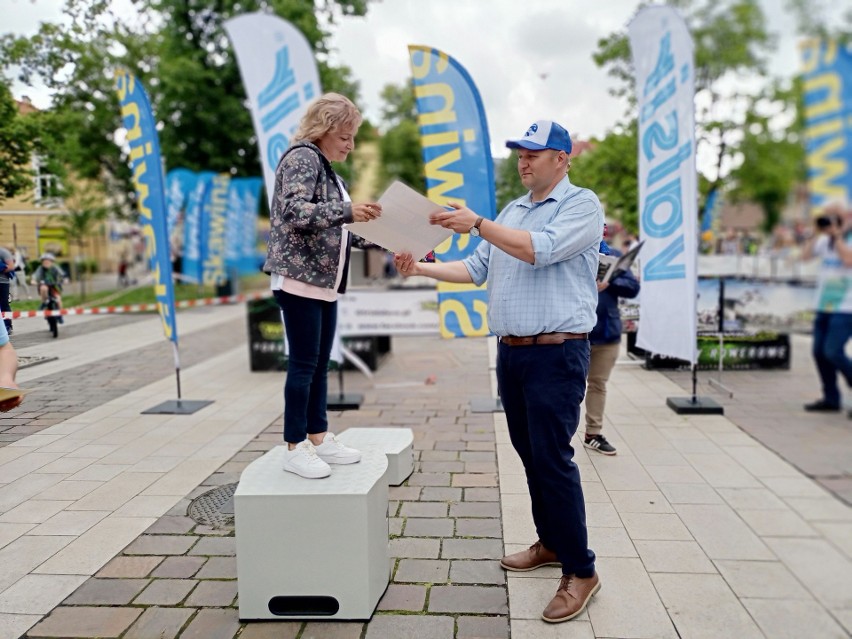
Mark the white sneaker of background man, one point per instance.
(312, 462)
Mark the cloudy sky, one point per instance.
(530, 59)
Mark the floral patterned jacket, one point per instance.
(306, 219)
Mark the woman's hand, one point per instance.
(365, 212)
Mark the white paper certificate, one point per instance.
(404, 223)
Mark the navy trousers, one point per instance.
(542, 387)
(310, 326)
(831, 332)
(5, 303)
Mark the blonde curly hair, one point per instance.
(327, 112)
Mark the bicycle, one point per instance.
(52, 304)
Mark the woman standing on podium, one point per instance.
(308, 259)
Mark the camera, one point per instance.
(824, 222)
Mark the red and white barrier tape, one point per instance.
(138, 308)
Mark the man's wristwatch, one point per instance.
(474, 230)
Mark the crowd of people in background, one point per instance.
(786, 240)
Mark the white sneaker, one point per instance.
(332, 451)
(303, 461)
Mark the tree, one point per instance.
(812, 20)
(609, 168)
(399, 146)
(771, 158)
(731, 41)
(181, 53)
(508, 182)
(74, 60)
(16, 135)
(84, 202)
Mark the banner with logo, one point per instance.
(458, 165)
(192, 227)
(146, 165)
(663, 59)
(241, 235)
(179, 184)
(827, 71)
(280, 78)
(214, 211)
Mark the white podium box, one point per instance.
(312, 548)
(396, 443)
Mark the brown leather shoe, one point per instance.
(571, 598)
(533, 557)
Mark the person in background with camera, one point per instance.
(832, 244)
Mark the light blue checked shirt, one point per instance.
(558, 292)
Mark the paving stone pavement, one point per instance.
(768, 406)
(692, 516)
(179, 577)
(68, 393)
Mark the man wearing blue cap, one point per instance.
(540, 259)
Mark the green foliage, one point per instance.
(731, 40)
(16, 134)
(84, 203)
(771, 158)
(126, 296)
(508, 185)
(75, 61)
(729, 36)
(812, 21)
(609, 169)
(399, 147)
(401, 157)
(180, 52)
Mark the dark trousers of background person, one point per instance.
(831, 332)
(541, 388)
(5, 303)
(310, 326)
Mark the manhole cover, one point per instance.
(214, 508)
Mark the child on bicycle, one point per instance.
(47, 275)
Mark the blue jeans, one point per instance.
(310, 326)
(831, 332)
(542, 387)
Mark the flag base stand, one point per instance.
(178, 407)
(342, 400)
(694, 406)
(486, 405)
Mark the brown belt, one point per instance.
(542, 338)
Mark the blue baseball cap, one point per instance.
(543, 134)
